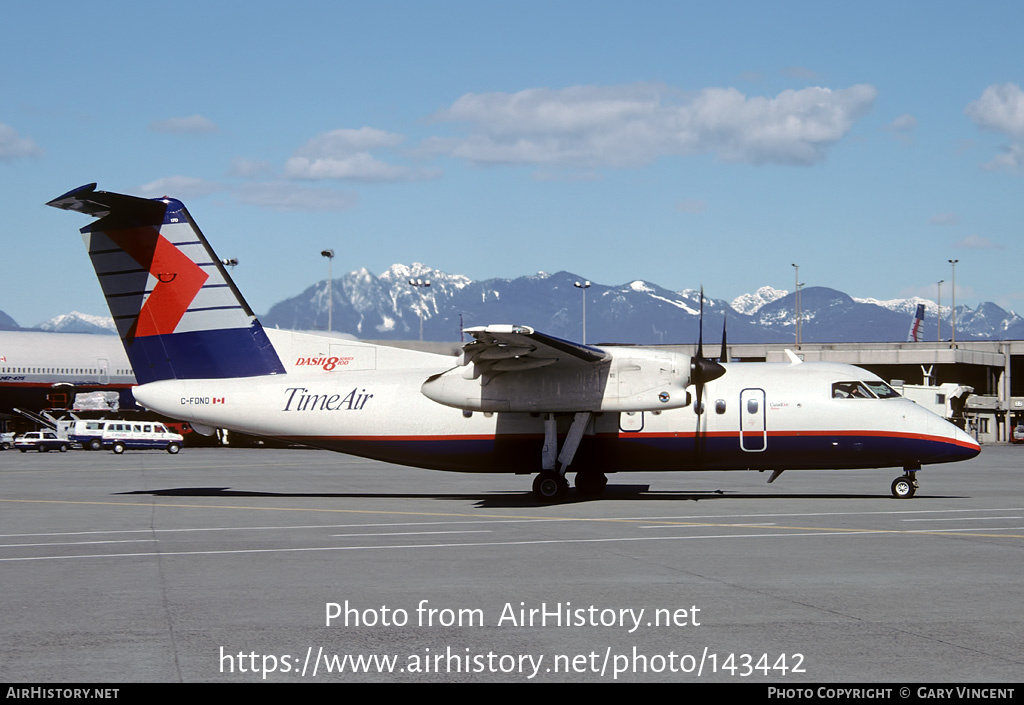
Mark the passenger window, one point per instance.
(752, 406)
(720, 406)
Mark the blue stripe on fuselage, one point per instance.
(649, 452)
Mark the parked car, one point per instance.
(41, 441)
(1018, 434)
(122, 435)
(6, 441)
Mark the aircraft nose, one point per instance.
(968, 447)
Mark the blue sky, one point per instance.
(680, 143)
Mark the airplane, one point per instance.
(515, 400)
(44, 370)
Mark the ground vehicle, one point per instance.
(41, 441)
(6, 441)
(122, 435)
(87, 432)
(1018, 434)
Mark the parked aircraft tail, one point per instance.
(914, 334)
(177, 311)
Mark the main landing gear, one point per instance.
(550, 484)
(905, 486)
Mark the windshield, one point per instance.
(882, 390)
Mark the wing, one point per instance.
(517, 369)
(511, 348)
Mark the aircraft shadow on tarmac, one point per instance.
(513, 499)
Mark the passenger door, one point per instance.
(753, 421)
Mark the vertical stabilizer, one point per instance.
(177, 311)
(914, 334)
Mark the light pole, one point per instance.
(583, 286)
(329, 254)
(419, 285)
(940, 309)
(796, 302)
(953, 262)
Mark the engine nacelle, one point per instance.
(631, 379)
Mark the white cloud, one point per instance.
(293, 197)
(632, 125)
(944, 219)
(192, 125)
(977, 242)
(180, 187)
(902, 128)
(1001, 109)
(344, 154)
(1011, 159)
(249, 168)
(280, 196)
(691, 205)
(13, 146)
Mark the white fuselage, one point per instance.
(365, 400)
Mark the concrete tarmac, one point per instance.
(245, 565)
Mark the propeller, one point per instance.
(702, 371)
(724, 356)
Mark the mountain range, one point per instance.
(387, 307)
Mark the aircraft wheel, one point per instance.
(118, 448)
(903, 488)
(173, 448)
(591, 484)
(549, 486)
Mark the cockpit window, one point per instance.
(851, 390)
(882, 390)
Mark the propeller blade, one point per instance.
(700, 326)
(724, 357)
(702, 371)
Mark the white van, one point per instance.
(121, 435)
(87, 432)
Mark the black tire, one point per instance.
(95, 444)
(549, 486)
(63, 447)
(41, 448)
(903, 488)
(118, 448)
(173, 448)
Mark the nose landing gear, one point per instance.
(905, 486)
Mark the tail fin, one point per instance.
(177, 311)
(913, 336)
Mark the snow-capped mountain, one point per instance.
(76, 322)
(749, 304)
(387, 307)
